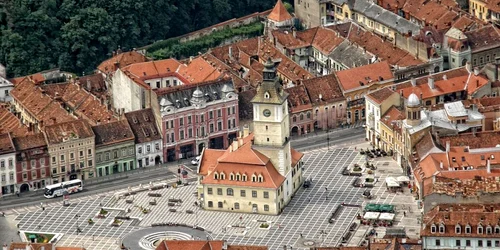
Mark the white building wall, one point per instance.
(150, 155)
(126, 93)
(8, 178)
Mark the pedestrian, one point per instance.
(404, 213)
(300, 235)
(17, 193)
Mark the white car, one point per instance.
(195, 160)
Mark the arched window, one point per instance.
(230, 192)
(210, 204)
(467, 229)
(231, 177)
(254, 178)
(497, 229)
(238, 176)
(244, 177)
(308, 115)
(441, 228)
(433, 228)
(261, 179)
(266, 95)
(216, 175)
(479, 229)
(222, 176)
(489, 230)
(294, 118)
(458, 229)
(301, 117)
(236, 205)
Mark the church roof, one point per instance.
(279, 13)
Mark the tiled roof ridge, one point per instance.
(164, 91)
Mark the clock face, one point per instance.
(266, 112)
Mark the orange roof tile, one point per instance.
(279, 13)
(298, 99)
(121, 60)
(6, 144)
(380, 95)
(243, 160)
(199, 70)
(354, 78)
(393, 114)
(327, 87)
(10, 123)
(325, 40)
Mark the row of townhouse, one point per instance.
(77, 150)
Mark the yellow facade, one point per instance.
(478, 9)
(72, 157)
(243, 199)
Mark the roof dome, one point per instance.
(197, 93)
(413, 100)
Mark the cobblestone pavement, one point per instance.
(304, 222)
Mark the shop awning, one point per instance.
(386, 216)
(371, 215)
(403, 179)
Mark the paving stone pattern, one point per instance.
(307, 214)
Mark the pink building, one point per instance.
(197, 116)
(32, 162)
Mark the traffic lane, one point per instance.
(324, 143)
(320, 140)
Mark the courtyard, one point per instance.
(303, 224)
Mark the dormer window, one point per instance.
(244, 177)
(433, 228)
(261, 179)
(254, 178)
(222, 176)
(468, 229)
(458, 229)
(489, 230)
(479, 229)
(238, 177)
(216, 176)
(492, 157)
(497, 229)
(267, 95)
(453, 159)
(441, 228)
(231, 177)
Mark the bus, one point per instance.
(55, 190)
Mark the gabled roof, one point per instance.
(143, 124)
(323, 89)
(380, 95)
(30, 141)
(10, 123)
(326, 40)
(121, 60)
(111, 133)
(61, 132)
(298, 99)
(484, 38)
(6, 144)
(354, 78)
(279, 13)
(243, 160)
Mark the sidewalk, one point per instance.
(110, 178)
(322, 133)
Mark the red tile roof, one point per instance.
(392, 115)
(111, 133)
(58, 133)
(279, 13)
(327, 87)
(30, 141)
(243, 160)
(298, 99)
(451, 215)
(121, 60)
(10, 123)
(202, 245)
(144, 126)
(485, 139)
(446, 82)
(485, 38)
(6, 144)
(380, 95)
(367, 75)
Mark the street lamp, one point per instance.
(327, 132)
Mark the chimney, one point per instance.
(447, 146)
(246, 131)
(413, 82)
(476, 71)
(235, 144)
(445, 77)
(430, 81)
(441, 165)
(231, 52)
(294, 33)
(468, 66)
(89, 86)
(488, 166)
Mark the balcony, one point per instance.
(356, 103)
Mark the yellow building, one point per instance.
(259, 172)
(487, 10)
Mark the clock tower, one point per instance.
(271, 127)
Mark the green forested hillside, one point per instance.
(75, 35)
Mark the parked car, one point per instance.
(195, 160)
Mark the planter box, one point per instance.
(189, 212)
(172, 210)
(154, 195)
(129, 201)
(152, 203)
